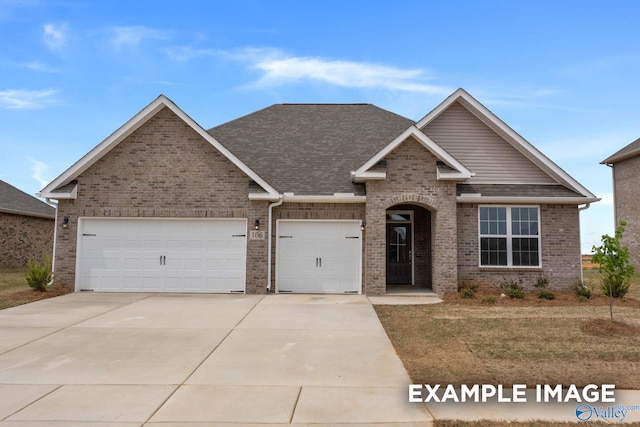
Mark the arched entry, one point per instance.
(408, 248)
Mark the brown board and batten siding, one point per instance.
(481, 149)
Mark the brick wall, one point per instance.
(162, 170)
(411, 179)
(560, 237)
(23, 238)
(627, 204)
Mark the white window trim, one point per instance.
(509, 236)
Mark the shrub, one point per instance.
(489, 300)
(39, 273)
(583, 291)
(582, 298)
(513, 289)
(546, 295)
(467, 292)
(542, 282)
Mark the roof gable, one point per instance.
(456, 169)
(52, 190)
(627, 152)
(509, 135)
(17, 202)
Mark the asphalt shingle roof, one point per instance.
(310, 149)
(630, 150)
(16, 201)
(517, 190)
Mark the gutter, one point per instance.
(269, 238)
(538, 200)
(55, 239)
(580, 209)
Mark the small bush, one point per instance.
(546, 295)
(542, 282)
(583, 291)
(513, 289)
(39, 273)
(467, 292)
(489, 300)
(582, 298)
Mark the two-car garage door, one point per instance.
(162, 255)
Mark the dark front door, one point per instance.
(399, 269)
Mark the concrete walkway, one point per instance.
(173, 360)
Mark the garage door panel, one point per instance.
(191, 250)
(318, 256)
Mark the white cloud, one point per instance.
(38, 169)
(133, 36)
(55, 35)
(40, 67)
(21, 99)
(278, 68)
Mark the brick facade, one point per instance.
(164, 169)
(411, 179)
(23, 238)
(560, 238)
(627, 181)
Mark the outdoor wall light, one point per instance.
(256, 224)
(362, 225)
(65, 222)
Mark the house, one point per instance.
(625, 165)
(26, 227)
(316, 198)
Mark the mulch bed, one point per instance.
(607, 328)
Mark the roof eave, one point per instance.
(527, 200)
(26, 213)
(619, 158)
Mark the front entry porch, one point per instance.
(408, 249)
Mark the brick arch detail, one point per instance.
(414, 199)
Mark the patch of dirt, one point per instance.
(23, 297)
(492, 297)
(607, 328)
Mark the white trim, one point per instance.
(127, 129)
(512, 137)
(324, 199)
(509, 236)
(360, 255)
(24, 213)
(472, 198)
(82, 219)
(368, 175)
(426, 142)
(413, 240)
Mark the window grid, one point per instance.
(509, 236)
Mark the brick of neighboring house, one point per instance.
(561, 258)
(627, 204)
(412, 179)
(162, 170)
(23, 238)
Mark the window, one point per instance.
(509, 236)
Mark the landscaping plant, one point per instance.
(39, 274)
(615, 267)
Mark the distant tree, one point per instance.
(615, 267)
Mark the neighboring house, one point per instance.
(26, 227)
(625, 165)
(316, 198)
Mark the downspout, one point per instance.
(269, 228)
(55, 240)
(580, 209)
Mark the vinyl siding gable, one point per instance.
(482, 150)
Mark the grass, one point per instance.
(15, 291)
(528, 341)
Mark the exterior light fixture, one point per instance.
(362, 225)
(256, 224)
(65, 222)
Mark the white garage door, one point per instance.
(319, 256)
(153, 255)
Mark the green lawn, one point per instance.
(14, 289)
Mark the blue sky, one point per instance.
(564, 74)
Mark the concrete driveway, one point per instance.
(174, 359)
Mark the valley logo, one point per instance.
(585, 412)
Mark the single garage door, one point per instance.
(161, 255)
(318, 256)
